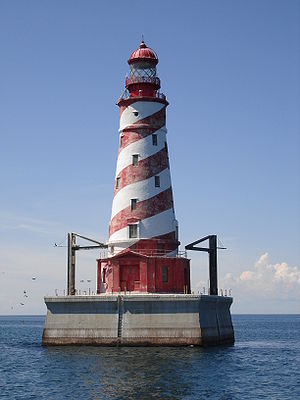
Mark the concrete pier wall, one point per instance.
(138, 319)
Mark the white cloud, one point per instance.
(266, 279)
(262, 261)
(247, 276)
(265, 287)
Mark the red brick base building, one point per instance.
(131, 271)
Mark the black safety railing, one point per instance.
(150, 253)
(126, 95)
(154, 80)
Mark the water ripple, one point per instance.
(263, 364)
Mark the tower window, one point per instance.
(117, 183)
(160, 248)
(135, 159)
(133, 231)
(133, 204)
(121, 140)
(166, 146)
(157, 181)
(164, 274)
(154, 139)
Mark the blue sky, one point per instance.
(230, 71)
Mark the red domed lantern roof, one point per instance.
(143, 53)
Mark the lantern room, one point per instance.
(142, 80)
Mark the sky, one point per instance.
(230, 71)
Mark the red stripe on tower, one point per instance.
(143, 128)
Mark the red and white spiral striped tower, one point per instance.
(143, 219)
(143, 214)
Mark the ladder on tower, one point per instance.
(120, 315)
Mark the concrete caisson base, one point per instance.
(138, 319)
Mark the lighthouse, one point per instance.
(143, 231)
(143, 293)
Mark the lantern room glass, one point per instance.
(143, 69)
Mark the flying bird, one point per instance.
(22, 304)
(82, 280)
(33, 278)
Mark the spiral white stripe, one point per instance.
(143, 147)
(141, 190)
(159, 224)
(144, 109)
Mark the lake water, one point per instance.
(264, 363)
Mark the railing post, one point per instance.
(213, 265)
(71, 264)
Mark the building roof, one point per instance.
(124, 253)
(143, 53)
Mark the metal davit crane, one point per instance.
(72, 248)
(212, 254)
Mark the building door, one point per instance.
(129, 277)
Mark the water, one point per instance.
(263, 364)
